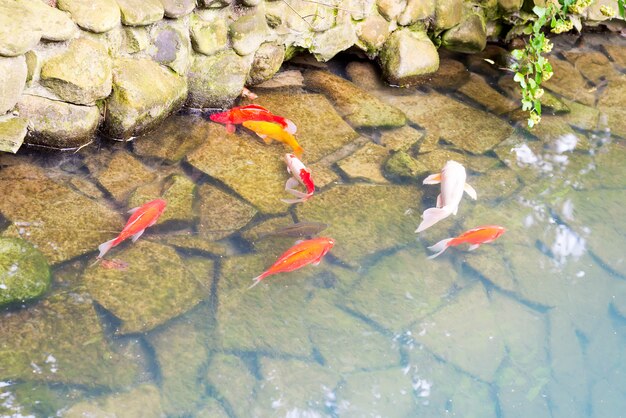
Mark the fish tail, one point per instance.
(257, 280)
(440, 247)
(432, 216)
(106, 246)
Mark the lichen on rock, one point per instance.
(24, 272)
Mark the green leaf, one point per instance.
(518, 54)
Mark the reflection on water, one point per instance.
(531, 325)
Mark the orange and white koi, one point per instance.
(452, 179)
(142, 217)
(305, 252)
(300, 175)
(269, 131)
(251, 112)
(475, 237)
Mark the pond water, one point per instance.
(531, 325)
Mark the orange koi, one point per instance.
(251, 112)
(142, 217)
(306, 252)
(475, 237)
(269, 131)
(301, 175)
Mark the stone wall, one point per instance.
(70, 67)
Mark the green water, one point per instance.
(531, 325)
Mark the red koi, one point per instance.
(301, 175)
(475, 237)
(142, 217)
(306, 252)
(251, 112)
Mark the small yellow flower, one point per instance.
(607, 11)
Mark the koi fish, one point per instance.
(269, 131)
(306, 252)
(452, 179)
(475, 237)
(251, 112)
(300, 174)
(142, 217)
(248, 94)
(297, 230)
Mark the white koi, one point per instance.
(300, 175)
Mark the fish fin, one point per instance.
(133, 210)
(433, 179)
(454, 210)
(299, 194)
(291, 183)
(292, 201)
(432, 216)
(291, 127)
(470, 191)
(298, 150)
(439, 247)
(316, 262)
(105, 247)
(439, 202)
(264, 137)
(256, 280)
(230, 128)
(473, 247)
(137, 235)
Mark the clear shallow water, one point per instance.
(531, 325)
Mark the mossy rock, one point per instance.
(400, 166)
(144, 400)
(96, 16)
(24, 272)
(13, 73)
(406, 56)
(12, 133)
(225, 368)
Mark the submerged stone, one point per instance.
(24, 272)
(548, 101)
(568, 82)
(581, 116)
(60, 340)
(144, 93)
(478, 350)
(211, 408)
(177, 190)
(139, 295)
(403, 282)
(385, 219)
(294, 385)
(496, 184)
(190, 242)
(360, 109)
(407, 55)
(469, 129)
(56, 124)
(481, 92)
(223, 370)
(220, 214)
(60, 222)
(289, 79)
(92, 15)
(144, 401)
(610, 103)
(403, 167)
(594, 66)
(401, 139)
(366, 163)
(450, 75)
(13, 72)
(12, 133)
(217, 80)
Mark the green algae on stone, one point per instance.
(366, 163)
(135, 39)
(321, 130)
(220, 214)
(401, 139)
(208, 37)
(373, 32)
(448, 13)
(178, 8)
(217, 80)
(176, 137)
(81, 75)
(255, 171)
(143, 400)
(360, 108)
(267, 61)
(140, 12)
(57, 124)
(223, 370)
(60, 222)
(387, 392)
(24, 272)
(415, 11)
(12, 133)
(181, 349)
(401, 166)
(481, 92)
(121, 174)
(293, 385)
(402, 288)
(211, 408)
(469, 129)
(144, 93)
(177, 190)
(334, 334)
(92, 15)
(156, 286)
(469, 36)
(478, 350)
(171, 46)
(60, 340)
(406, 56)
(248, 32)
(365, 219)
(13, 73)
(330, 42)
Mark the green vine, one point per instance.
(531, 67)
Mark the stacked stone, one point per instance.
(69, 67)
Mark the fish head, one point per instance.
(159, 205)
(221, 117)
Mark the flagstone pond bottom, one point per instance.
(531, 325)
